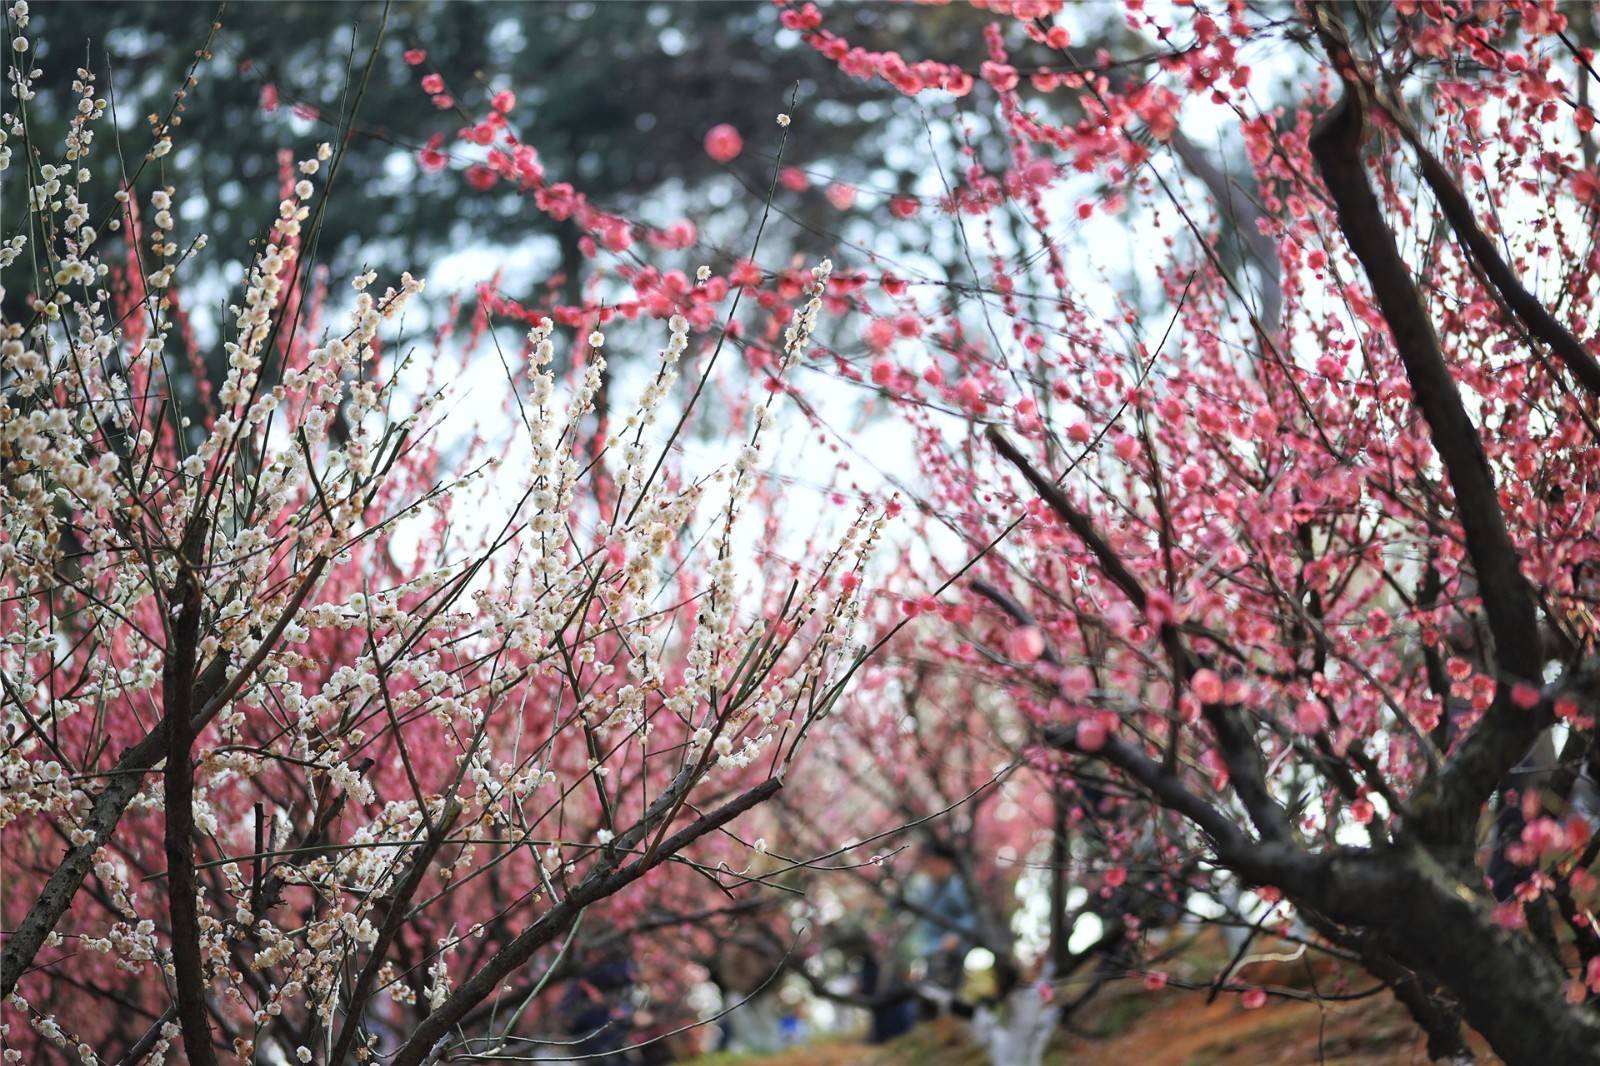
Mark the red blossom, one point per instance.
(723, 143)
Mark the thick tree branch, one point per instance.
(1414, 910)
(214, 690)
(1458, 212)
(1446, 807)
(1235, 741)
(177, 687)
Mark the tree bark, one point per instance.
(1414, 910)
(177, 690)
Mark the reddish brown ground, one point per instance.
(1126, 1026)
(1181, 1031)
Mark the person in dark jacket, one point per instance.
(597, 1007)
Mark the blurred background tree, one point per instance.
(617, 98)
(614, 95)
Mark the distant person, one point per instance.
(893, 1004)
(946, 922)
(745, 971)
(597, 1007)
(794, 1027)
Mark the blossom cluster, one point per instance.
(402, 678)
